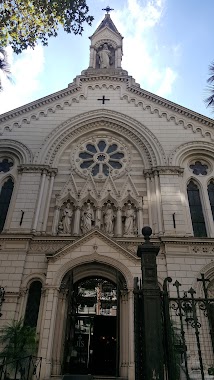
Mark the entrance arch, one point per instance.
(66, 351)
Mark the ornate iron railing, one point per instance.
(188, 333)
(25, 368)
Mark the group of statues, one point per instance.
(88, 220)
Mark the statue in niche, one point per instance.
(129, 226)
(67, 215)
(108, 219)
(104, 57)
(87, 219)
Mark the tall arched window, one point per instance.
(33, 303)
(196, 211)
(210, 189)
(5, 197)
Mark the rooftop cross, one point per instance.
(107, 9)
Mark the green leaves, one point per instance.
(210, 100)
(23, 22)
(18, 340)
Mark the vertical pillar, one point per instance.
(76, 226)
(119, 222)
(51, 332)
(38, 206)
(158, 201)
(149, 197)
(139, 220)
(44, 226)
(152, 350)
(55, 220)
(131, 335)
(98, 217)
(124, 332)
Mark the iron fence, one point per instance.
(188, 334)
(25, 368)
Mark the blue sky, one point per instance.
(168, 46)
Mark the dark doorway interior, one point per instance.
(104, 346)
(91, 338)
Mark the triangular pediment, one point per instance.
(74, 92)
(94, 242)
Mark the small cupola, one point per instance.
(106, 45)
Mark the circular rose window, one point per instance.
(100, 157)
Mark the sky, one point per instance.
(167, 48)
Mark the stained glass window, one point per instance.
(5, 165)
(33, 303)
(196, 211)
(5, 197)
(210, 189)
(100, 158)
(199, 168)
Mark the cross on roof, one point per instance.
(107, 9)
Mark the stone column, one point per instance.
(119, 229)
(152, 336)
(147, 176)
(47, 206)
(158, 202)
(124, 331)
(139, 220)
(76, 227)
(55, 220)
(131, 335)
(53, 296)
(59, 336)
(98, 217)
(38, 206)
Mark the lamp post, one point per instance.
(152, 350)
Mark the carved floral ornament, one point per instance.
(101, 156)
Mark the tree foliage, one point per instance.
(18, 340)
(25, 22)
(210, 100)
(4, 67)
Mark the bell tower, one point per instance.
(106, 45)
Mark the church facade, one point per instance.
(81, 172)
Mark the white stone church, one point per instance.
(81, 172)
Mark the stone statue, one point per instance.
(87, 218)
(66, 219)
(104, 57)
(108, 220)
(129, 220)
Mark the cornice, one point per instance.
(36, 168)
(116, 75)
(166, 170)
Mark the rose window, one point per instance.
(100, 157)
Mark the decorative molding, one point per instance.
(131, 87)
(166, 170)
(94, 257)
(82, 240)
(47, 247)
(36, 168)
(144, 140)
(19, 149)
(191, 148)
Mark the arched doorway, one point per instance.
(93, 323)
